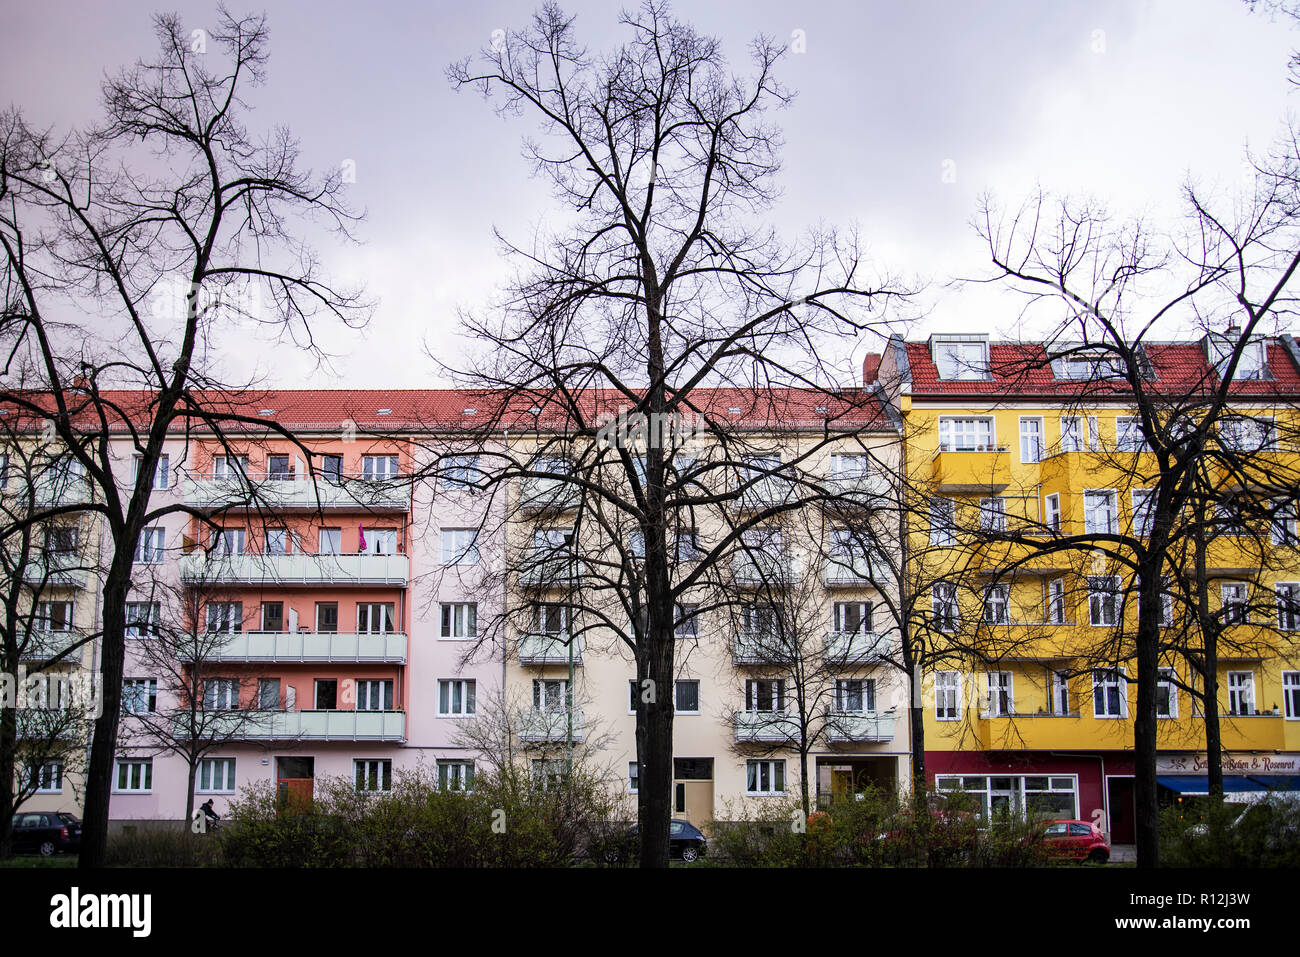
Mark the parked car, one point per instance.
(1076, 841)
(685, 842)
(46, 833)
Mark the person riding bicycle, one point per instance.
(209, 812)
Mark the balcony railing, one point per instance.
(310, 647)
(58, 491)
(983, 469)
(757, 567)
(549, 727)
(847, 570)
(861, 490)
(46, 645)
(252, 725)
(549, 649)
(551, 568)
(765, 726)
(860, 726)
(856, 647)
(764, 492)
(548, 494)
(286, 492)
(355, 570)
(760, 648)
(55, 572)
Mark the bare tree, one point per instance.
(666, 288)
(129, 250)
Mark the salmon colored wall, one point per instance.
(304, 600)
(302, 678)
(257, 452)
(306, 530)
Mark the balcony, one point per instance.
(311, 647)
(766, 492)
(549, 494)
(856, 647)
(286, 493)
(46, 645)
(551, 568)
(548, 649)
(877, 726)
(350, 570)
(977, 470)
(860, 491)
(53, 724)
(247, 725)
(847, 570)
(765, 726)
(58, 490)
(56, 572)
(549, 727)
(760, 648)
(757, 567)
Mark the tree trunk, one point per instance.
(803, 776)
(654, 742)
(189, 791)
(99, 775)
(1210, 662)
(8, 755)
(1144, 722)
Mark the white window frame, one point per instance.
(460, 546)
(1128, 435)
(457, 697)
(993, 514)
(633, 777)
(866, 694)
(1241, 693)
(765, 777)
(1142, 501)
(1032, 448)
(1106, 680)
(840, 615)
(1167, 685)
(997, 605)
(1001, 694)
(687, 681)
(1288, 605)
(458, 621)
(149, 549)
(1052, 511)
(1056, 601)
(139, 776)
(220, 694)
(329, 541)
(161, 476)
(1291, 695)
(1060, 699)
(215, 776)
(967, 433)
(379, 468)
(48, 777)
(1100, 504)
(943, 522)
(140, 695)
(1102, 588)
(459, 473)
(378, 770)
(375, 691)
(947, 696)
(958, 360)
(458, 776)
(944, 610)
(1235, 598)
(229, 542)
(1072, 440)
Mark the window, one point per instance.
(47, 778)
(636, 544)
(1166, 694)
(993, 514)
(548, 618)
(852, 617)
(1084, 367)
(161, 473)
(1283, 523)
(52, 616)
(1109, 694)
(374, 694)
(268, 694)
(61, 544)
(1052, 512)
(687, 694)
(1166, 604)
(550, 694)
(456, 775)
(1128, 434)
(1001, 701)
(1031, 438)
(765, 777)
(765, 695)
(1056, 601)
(459, 546)
(1232, 516)
(216, 776)
(960, 359)
(277, 468)
(1100, 513)
(377, 468)
(220, 694)
(1241, 692)
(1234, 603)
(1288, 605)
(149, 549)
(943, 606)
(373, 775)
(1103, 601)
(379, 541)
(943, 522)
(1060, 703)
(1144, 503)
(327, 616)
(140, 696)
(459, 472)
(134, 776)
(850, 468)
(1078, 433)
(460, 620)
(946, 690)
(327, 694)
(375, 618)
(228, 467)
(272, 616)
(330, 542)
(456, 697)
(1245, 434)
(228, 541)
(965, 434)
(686, 545)
(278, 541)
(633, 777)
(549, 773)
(225, 616)
(855, 695)
(687, 626)
(331, 467)
(1291, 694)
(995, 605)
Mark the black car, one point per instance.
(684, 841)
(46, 833)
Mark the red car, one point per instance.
(1077, 841)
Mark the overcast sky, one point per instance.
(1119, 100)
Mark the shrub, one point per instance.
(1213, 833)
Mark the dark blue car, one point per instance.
(685, 842)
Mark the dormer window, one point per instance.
(960, 357)
(1219, 348)
(1087, 367)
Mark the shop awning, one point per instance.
(1191, 785)
(1278, 782)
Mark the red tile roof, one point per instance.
(1024, 369)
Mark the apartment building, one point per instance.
(1038, 714)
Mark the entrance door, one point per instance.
(841, 783)
(693, 790)
(294, 782)
(1123, 811)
